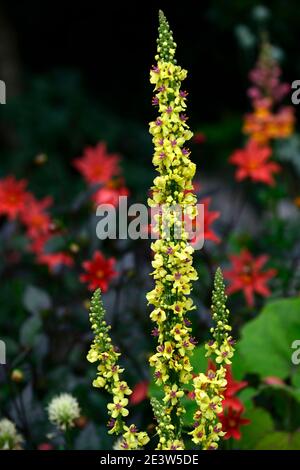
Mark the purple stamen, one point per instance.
(111, 423)
(193, 340)
(155, 332)
(133, 429)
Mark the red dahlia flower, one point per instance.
(206, 232)
(254, 162)
(247, 275)
(97, 165)
(12, 196)
(55, 260)
(111, 192)
(99, 272)
(35, 217)
(231, 420)
(233, 386)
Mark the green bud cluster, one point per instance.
(166, 46)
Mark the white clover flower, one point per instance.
(9, 437)
(63, 410)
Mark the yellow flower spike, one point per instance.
(209, 388)
(109, 373)
(173, 273)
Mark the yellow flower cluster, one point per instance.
(108, 377)
(209, 387)
(173, 270)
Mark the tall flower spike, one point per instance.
(209, 388)
(109, 378)
(173, 270)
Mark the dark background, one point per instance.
(79, 73)
(112, 43)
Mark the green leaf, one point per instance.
(279, 441)
(246, 396)
(29, 331)
(261, 425)
(36, 300)
(265, 344)
(155, 391)
(190, 409)
(198, 360)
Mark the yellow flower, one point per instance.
(117, 408)
(92, 355)
(158, 315)
(172, 394)
(224, 354)
(99, 382)
(143, 438)
(121, 389)
(167, 350)
(198, 434)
